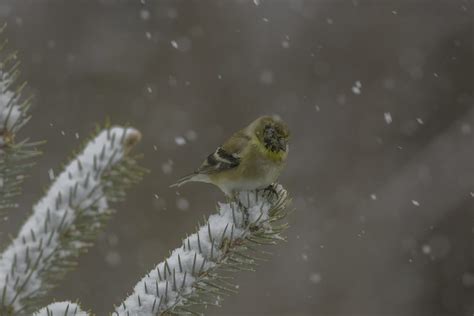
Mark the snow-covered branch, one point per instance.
(65, 221)
(194, 275)
(13, 116)
(61, 309)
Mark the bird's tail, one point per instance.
(189, 178)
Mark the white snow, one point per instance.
(465, 129)
(180, 140)
(286, 42)
(78, 187)
(357, 87)
(315, 278)
(167, 167)
(144, 14)
(426, 249)
(60, 308)
(182, 44)
(182, 204)
(51, 174)
(172, 280)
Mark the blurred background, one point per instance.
(379, 97)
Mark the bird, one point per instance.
(251, 159)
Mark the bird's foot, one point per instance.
(234, 197)
(271, 192)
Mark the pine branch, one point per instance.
(197, 274)
(64, 223)
(14, 156)
(61, 309)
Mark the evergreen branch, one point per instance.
(14, 156)
(66, 220)
(196, 275)
(61, 309)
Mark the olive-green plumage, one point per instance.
(252, 158)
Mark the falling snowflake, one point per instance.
(266, 77)
(465, 129)
(144, 14)
(191, 135)
(426, 249)
(286, 42)
(113, 258)
(182, 204)
(315, 278)
(356, 88)
(51, 174)
(167, 167)
(180, 140)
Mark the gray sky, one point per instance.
(379, 98)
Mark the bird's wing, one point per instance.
(227, 156)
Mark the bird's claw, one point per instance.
(271, 191)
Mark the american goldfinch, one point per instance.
(252, 158)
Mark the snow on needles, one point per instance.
(61, 309)
(53, 234)
(191, 270)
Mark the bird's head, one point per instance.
(272, 132)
